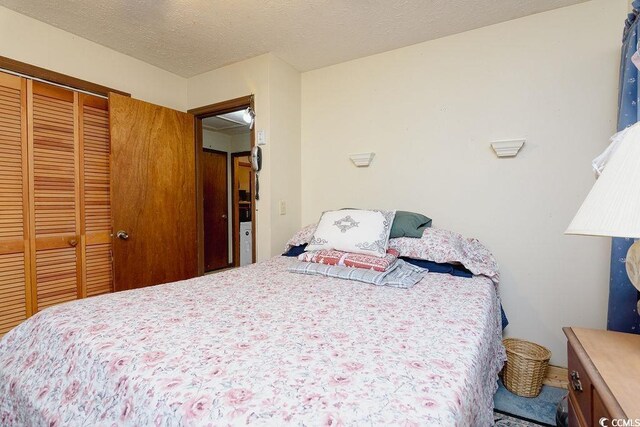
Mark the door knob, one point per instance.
(122, 235)
(73, 243)
(224, 216)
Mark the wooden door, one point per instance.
(95, 184)
(153, 193)
(215, 209)
(15, 279)
(55, 192)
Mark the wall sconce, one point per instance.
(507, 148)
(362, 160)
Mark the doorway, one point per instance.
(226, 186)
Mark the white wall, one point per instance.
(429, 112)
(216, 140)
(276, 89)
(240, 142)
(34, 42)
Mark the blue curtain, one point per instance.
(623, 297)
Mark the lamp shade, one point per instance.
(612, 208)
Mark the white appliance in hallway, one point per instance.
(246, 250)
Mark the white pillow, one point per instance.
(350, 230)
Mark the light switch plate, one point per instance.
(262, 139)
(283, 207)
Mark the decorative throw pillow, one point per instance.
(409, 224)
(357, 231)
(443, 246)
(347, 259)
(302, 237)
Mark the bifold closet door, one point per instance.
(55, 194)
(95, 150)
(15, 281)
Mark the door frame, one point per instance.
(199, 114)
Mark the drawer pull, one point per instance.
(575, 381)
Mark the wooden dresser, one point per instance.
(604, 377)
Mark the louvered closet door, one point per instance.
(14, 206)
(54, 176)
(96, 201)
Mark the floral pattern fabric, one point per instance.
(348, 259)
(400, 275)
(258, 345)
(436, 244)
(302, 237)
(445, 246)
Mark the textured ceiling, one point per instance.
(188, 37)
(230, 123)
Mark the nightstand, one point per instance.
(604, 376)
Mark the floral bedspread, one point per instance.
(260, 346)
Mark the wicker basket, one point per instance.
(526, 367)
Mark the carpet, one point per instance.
(540, 409)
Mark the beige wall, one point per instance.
(34, 42)
(430, 111)
(284, 138)
(276, 87)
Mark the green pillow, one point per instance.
(409, 224)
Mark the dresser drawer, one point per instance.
(575, 417)
(579, 385)
(599, 410)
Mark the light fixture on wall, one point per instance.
(362, 160)
(507, 148)
(249, 117)
(612, 207)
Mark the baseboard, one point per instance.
(557, 377)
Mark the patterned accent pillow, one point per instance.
(443, 246)
(348, 259)
(358, 231)
(302, 237)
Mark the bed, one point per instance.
(260, 345)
